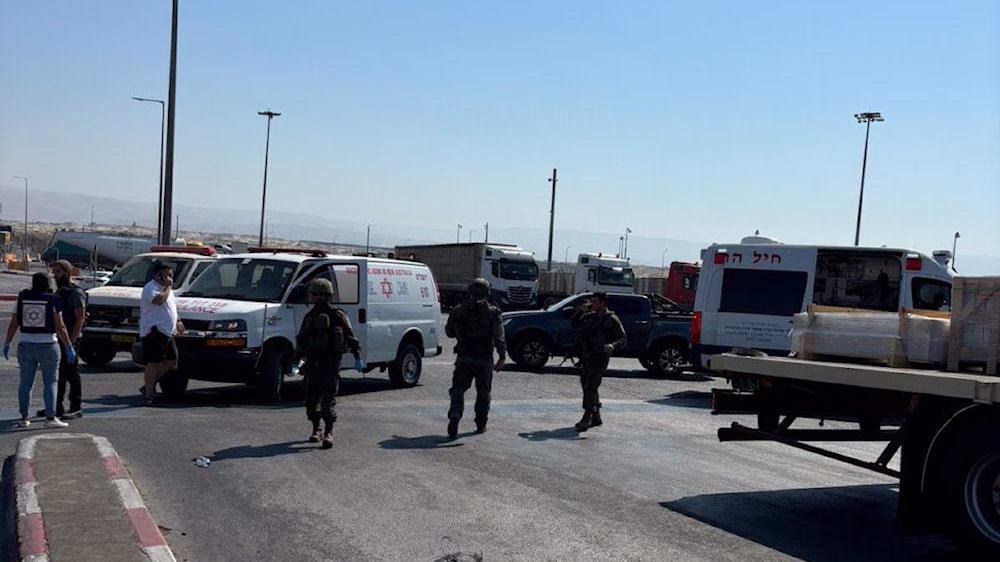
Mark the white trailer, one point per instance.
(944, 424)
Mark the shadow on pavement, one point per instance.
(264, 451)
(854, 523)
(686, 399)
(422, 442)
(121, 366)
(565, 433)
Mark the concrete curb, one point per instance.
(30, 526)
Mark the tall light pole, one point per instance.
(168, 163)
(566, 255)
(954, 247)
(471, 232)
(625, 252)
(159, 200)
(267, 149)
(486, 239)
(663, 260)
(25, 178)
(368, 241)
(621, 244)
(867, 119)
(552, 212)
(458, 235)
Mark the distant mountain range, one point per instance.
(47, 206)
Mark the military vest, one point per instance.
(474, 329)
(322, 335)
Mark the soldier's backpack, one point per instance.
(474, 329)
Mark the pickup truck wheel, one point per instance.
(174, 385)
(96, 353)
(669, 358)
(272, 376)
(972, 491)
(405, 371)
(531, 351)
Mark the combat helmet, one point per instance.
(321, 287)
(479, 288)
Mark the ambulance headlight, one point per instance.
(227, 326)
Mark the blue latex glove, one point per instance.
(6, 351)
(359, 364)
(70, 354)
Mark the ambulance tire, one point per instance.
(405, 371)
(272, 376)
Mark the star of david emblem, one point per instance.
(35, 316)
(386, 288)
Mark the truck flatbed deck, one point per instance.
(978, 388)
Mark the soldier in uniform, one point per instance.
(479, 329)
(599, 335)
(325, 336)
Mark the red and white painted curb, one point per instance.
(30, 526)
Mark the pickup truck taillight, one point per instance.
(695, 337)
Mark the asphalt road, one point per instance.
(652, 484)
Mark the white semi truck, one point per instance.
(593, 273)
(510, 270)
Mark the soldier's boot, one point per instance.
(586, 422)
(480, 427)
(453, 428)
(316, 436)
(327, 440)
(595, 420)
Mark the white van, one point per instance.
(748, 292)
(113, 308)
(242, 314)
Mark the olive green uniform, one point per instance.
(594, 333)
(478, 327)
(325, 336)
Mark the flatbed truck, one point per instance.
(944, 425)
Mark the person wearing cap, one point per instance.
(478, 327)
(324, 337)
(74, 313)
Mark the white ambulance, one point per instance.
(242, 314)
(113, 309)
(748, 292)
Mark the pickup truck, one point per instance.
(657, 332)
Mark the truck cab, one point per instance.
(600, 273)
(748, 292)
(242, 315)
(513, 276)
(113, 309)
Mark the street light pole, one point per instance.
(621, 244)
(552, 213)
(368, 241)
(954, 247)
(867, 119)
(159, 201)
(168, 165)
(625, 252)
(25, 178)
(566, 255)
(458, 235)
(663, 259)
(487, 237)
(267, 148)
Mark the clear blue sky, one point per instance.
(691, 120)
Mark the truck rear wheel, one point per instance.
(272, 376)
(531, 351)
(97, 353)
(405, 371)
(972, 493)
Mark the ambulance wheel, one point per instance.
(404, 372)
(272, 376)
(97, 354)
(174, 385)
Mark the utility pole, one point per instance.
(621, 244)
(159, 201)
(25, 178)
(625, 251)
(867, 119)
(368, 240)
(552, 213)
(486, 226)
(178, 231)
(458, 236)
(954, 248)
(168, 167)
(267, 148)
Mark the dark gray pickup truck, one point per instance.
(657, 332)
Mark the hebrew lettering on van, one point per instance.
(775, 257)
(402, 289)
(736, 258)
(371, 289)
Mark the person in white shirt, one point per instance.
(158, 323)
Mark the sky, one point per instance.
(687, 120)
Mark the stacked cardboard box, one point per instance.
(975, 323)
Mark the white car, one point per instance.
(113, 309)
(88, 279)
(242, 314)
